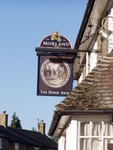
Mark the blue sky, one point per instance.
(23, 24)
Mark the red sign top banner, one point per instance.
(55, 40)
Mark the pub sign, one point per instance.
(54, 72)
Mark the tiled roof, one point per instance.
(95, 91)
(27, 137)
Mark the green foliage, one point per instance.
(55, 139)
(15, 122)
(33, 129)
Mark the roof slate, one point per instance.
(27, 137)
(95, 91)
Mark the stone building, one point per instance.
(21, 139)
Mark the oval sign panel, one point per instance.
(55, 40)
(55, 75)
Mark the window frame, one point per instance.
(16, 146)
(101, 137)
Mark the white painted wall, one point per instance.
(61, 143)
(71, 137)
(68, 138)
(74, 135)
(91, 62)
(93, 58)
(81, 78)
(87, 64)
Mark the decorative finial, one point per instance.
(55, 36)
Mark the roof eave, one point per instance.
(59, 114)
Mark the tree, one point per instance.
(15, 122)
(33, 129)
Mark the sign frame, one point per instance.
(48, 85)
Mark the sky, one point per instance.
(23, 24)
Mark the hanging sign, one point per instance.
(55, 40)
(54, 72)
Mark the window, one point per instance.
(36, 148)
(16, 146)
(0, 143)
(95, 135)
